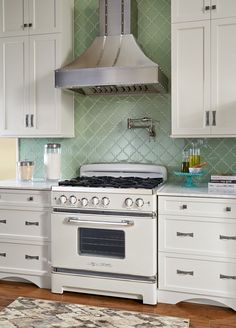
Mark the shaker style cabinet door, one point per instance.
(190, 78)
(14, 58)
(25, 17)
(189, 10)
(223, 56)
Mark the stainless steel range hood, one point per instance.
(114, 63)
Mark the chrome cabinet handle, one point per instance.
(223, 276)
(184, 207)
(207, 118)
(31, 257)
(213, 118)
(184, 234)
(126, 223)
(3, 221)
(28, 223)
(32, 120)
(227, 237)
(3, 254)
(27, 120)
(228, 209)
(189, 273)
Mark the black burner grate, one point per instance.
(112, 182)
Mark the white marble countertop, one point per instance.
(36, 184)
(199, 191)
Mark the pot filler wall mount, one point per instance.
(114, 63)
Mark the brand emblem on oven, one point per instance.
(95, 264)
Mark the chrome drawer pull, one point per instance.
(30, 257)
(189, 273)
(184, 207)
(228, 209)
(3, 254)
(184, 234)
(227, 237)
(28, 223)
(223, 276)
(3, 221)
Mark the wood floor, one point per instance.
(201, 316)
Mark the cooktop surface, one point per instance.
(112, 182)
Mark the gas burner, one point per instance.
(112, 182)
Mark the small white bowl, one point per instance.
(195, 169)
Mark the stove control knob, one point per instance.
(72, 200)
(139, 202)
(63, 199)
(95, 201)
(84, 202)
(128, 202)
(105, 201)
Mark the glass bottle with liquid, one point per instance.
(185, 162)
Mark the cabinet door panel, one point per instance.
(43, 94)
(224, 8)
(189, 10)
(13, 15)
(13, 84)
(190, 78)
(224, 75)
(44, 16)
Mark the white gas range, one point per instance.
(104, 231)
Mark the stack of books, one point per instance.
(224, 183)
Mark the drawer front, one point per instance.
(24, 257)
(25, 198)
(197, 276)
(195, 206)
(25, 223)
(201, 237)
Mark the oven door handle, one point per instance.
(123, 223)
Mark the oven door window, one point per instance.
(102, 242)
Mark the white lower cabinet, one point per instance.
(197, 252)
(25, 236)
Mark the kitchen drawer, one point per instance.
(196, 275)
(25, 198)
(24, 257)
(21, 223)
(215, 237)
(196, 206)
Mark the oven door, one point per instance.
(120, 244)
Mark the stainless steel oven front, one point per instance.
(112, 243)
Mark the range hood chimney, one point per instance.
(114, 63)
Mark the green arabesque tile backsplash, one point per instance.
(101, 133)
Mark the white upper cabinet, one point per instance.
(204, 73)
(30, 105)
(192, 10)
(23, 17)
(189, 10)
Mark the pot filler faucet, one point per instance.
(142, 123)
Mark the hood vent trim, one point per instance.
(114, 63)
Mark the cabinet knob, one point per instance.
(3, 254)
(213, 7)
(228, 209)
(30, 24)
(3, 221)
(207, 8)
(184, 207)
(30, 198)
(25, 25)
